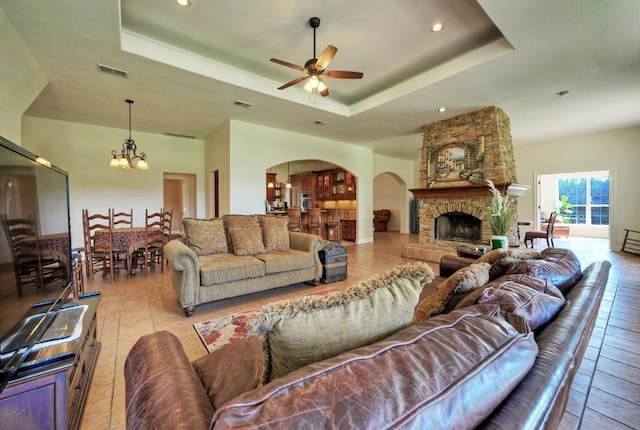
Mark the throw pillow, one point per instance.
(275, 232)
(233, 221)
(560, 267)
(234, 369)
(204, 236)
(535, 305)
(247, 240)
(501, 258)
(451, 291)
(311, 328)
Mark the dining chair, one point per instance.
(152, 253)
(98, 253)
(29, 264)
(542, 234)
(122, 219)
(120, 254)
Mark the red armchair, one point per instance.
(380, 219)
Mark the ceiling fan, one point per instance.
(315, 68)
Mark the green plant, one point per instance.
(500, 218)
(563, 206)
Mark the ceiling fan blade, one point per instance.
(325, 58)
(343, 75)
(290, 65)
(295, 81)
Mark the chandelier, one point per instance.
(127, 157)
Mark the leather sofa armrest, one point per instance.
(162, 389)
(186, 273)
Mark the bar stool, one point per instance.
(313, 221)
(295, 219)
(334, 229)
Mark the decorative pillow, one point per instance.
(246, 240)
(532, 303)
(232, 221)
(275, 232)
(451, 291)
(234, 369)
(312, 328)
(204, 236)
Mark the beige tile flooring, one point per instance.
(608, 381)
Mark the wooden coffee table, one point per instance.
(472, 250)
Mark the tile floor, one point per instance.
(605, 394)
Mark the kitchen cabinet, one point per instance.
(335, 184)
(324, 185)
(302, 183)
(348, 229)
(271, 192)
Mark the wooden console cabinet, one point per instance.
(52, 395)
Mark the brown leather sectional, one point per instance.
(473, 367)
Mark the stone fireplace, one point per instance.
(458, 156)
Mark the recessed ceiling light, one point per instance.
(438, 26)
(442, 109)
(183, 2)
(563, 93)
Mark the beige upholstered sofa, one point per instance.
(239, 254)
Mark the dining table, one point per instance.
(129, 238)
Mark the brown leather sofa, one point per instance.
(415, 378)
(380, 219)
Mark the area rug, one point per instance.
(219, 331)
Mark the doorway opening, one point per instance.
(179, 195)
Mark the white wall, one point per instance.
(21, 80)
(255, 148)
(84, 151)
(617, 151)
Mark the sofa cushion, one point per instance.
(275, 232)
(205, 236)
(533, 299)
(286, 260)
(246, 240)
(449, 292)
(415, 378)
(560, 267)
(499, 259)
(221, 268)
(229, 371)
(233, 220)
(311, 328)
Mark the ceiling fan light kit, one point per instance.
(315, 68)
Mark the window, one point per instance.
(589, 198)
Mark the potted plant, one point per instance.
(500, 218)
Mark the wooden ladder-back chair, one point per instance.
(30, 267)
(121, 257)
(167, 222)
(295, 219)
(153, 240)
(98, 254)
(542, 234)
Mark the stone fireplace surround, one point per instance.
(485, 137)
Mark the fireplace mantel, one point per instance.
(460, 191)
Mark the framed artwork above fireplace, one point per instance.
(456, 162)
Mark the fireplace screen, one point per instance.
(458, 227)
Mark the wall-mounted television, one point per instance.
(34, 203)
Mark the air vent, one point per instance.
(240, 103)
(320, 123)
(186, 136)
(112, 71)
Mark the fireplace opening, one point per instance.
(458, 227)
